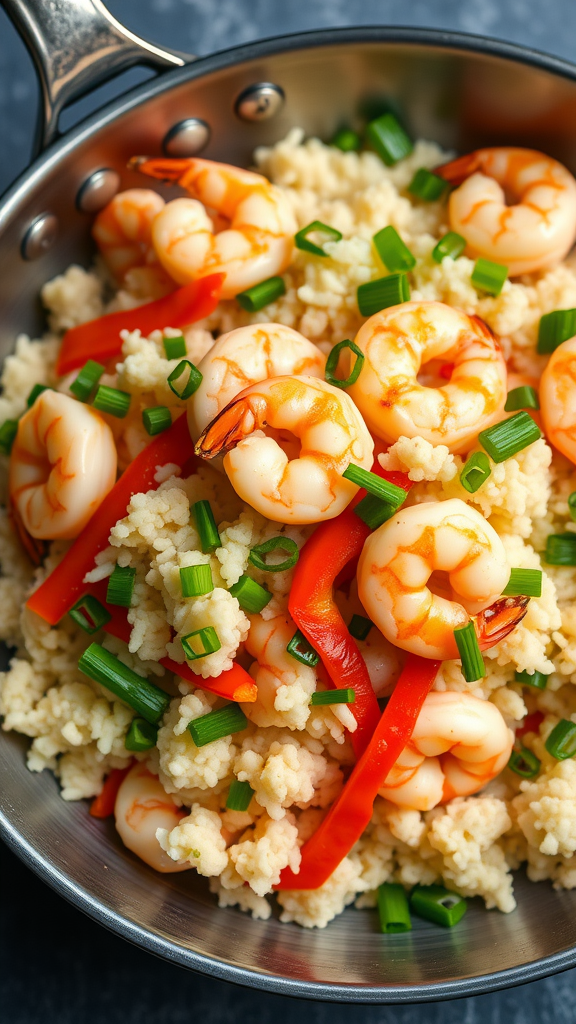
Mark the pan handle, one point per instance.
(76, 45)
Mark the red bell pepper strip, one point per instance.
(352, 810)
(103, 805)
(530, 724)
(100, 339)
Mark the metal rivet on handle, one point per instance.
(186, 138)
(40, 236)
(98, 190)
(259, 101)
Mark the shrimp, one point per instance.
(427, 570)
(257, 245)
(396, 342)
(558, 399)
(283, 682)
(143, 806)
(123, 234)
(513, 206)
(281, 480)
(62, 466)
(459, 744)
(246, 356)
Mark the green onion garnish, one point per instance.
(489, 276)
(561, 742)
(346, 140)
(373, 511)
(437, 904)
(332, 363)
(156, 419)
(175, 347)
(250, 595)
(206, 526)
(374, 484)
(301, 240)
(524, 763)
(146, 699)
(343, 696)
(200, 643)
(386, 135)
(192, 379)
(561, 549)
(359, 627)
(554, 328)
(89, 614)
(393, 909)
(8, 432)
(121, 586)
(451, 244)
(216, 724)
(36, 390)
(262, 294)
(239, 796)
(196, 580)
(475, 472)
(395, 255)
(524, 397)
(472, 660)
(509, 437)
(524, 583)
(112, 400)
(300, 649)
(537, 679)
(385, 291)
(86, 380)
(275, 544)
(572, 506)
(141, 735)
(427, 185)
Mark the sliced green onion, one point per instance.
(193, 379)
(8, 432)
(393, 909)
(156, 419)
(262, 294)
(146, 699)
(572, 506)
(524, 397)
(121, 586)
(275, 544)
(175, 347)
(374, 484)
(536, 679)
(386, 135)
(206, 526)
(141, 735)
(196, 580)
(561, 549)
(373, 511)
(475, 472)
(36, 390)
(385, 291)
(216, 724)
(509, 437)
(395, 255)
(554, 328)
(561, 742)
(343, 696)
(200, 643)
(427, 185)
(437, 904)
(489, 276)
(86, 380)
(89, 614)
(524, 583)
(524, 763)
(300, 649)
(472, 660)
(250, 595)
(346, 140)
(332, 363)
(112, 400)
(359, 627)
(451, 244)
(301, 240)
(239, 796)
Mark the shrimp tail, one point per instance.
(165, 169)
(497, 621)
(240, 418)
(456, 171)
(35, 549)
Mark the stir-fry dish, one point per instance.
(289, 539)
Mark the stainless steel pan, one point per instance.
(461, 91)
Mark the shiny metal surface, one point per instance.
(98, 189)
(259, 102)
(186, 138)
(39, 237)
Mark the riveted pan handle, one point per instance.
(76, 45)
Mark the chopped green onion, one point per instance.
(146, 699)
(488, 276)
(509, 437)
(572, 506)
(554, 328)
(561, 549)
(239, 796)
(332, 363)
(275, 544)
(86, 380)
(205, 641)
(385, 291)
(427, 185)
(437, 904)
(121, 586)
(472, 660)
(374, 484)
(475, 472)
(301, 240)
(343, 696)
(524, 397)
(89, 614)
(8, 432)
(216, 724)
(524, 583)
(175, 347)
(393, 909)
(196, 580)
(373, 511)
(36, 390)
(346, 140)
(206, 526)
(395, 255)
(386, 135)
(141, 735)
(112, 400)
(524, 763)
(537, 679)
(359, 627)
(561, 742)
(451, 244)
(300, 649)
(250, 595)
(262, 294)
(156, 419)
(193, 380)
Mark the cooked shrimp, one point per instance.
(123, 234)
(396, 343)
(63, 464)
(458, 745)
(427, 570)
(558, 399)
(257, 245)
(143, 806)
(276, 671)
(281, 480)
(244, 357)
(513, 206)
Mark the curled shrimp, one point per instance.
(246, 356)
(397, 342)
(459, 744)
(257, 245)
(513, 206)
(276, 672)
(558, 399)
(123, 234)
(62, 466)
(292, 474)
(431, 567)
(143, 806)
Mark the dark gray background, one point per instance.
(56, 965)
